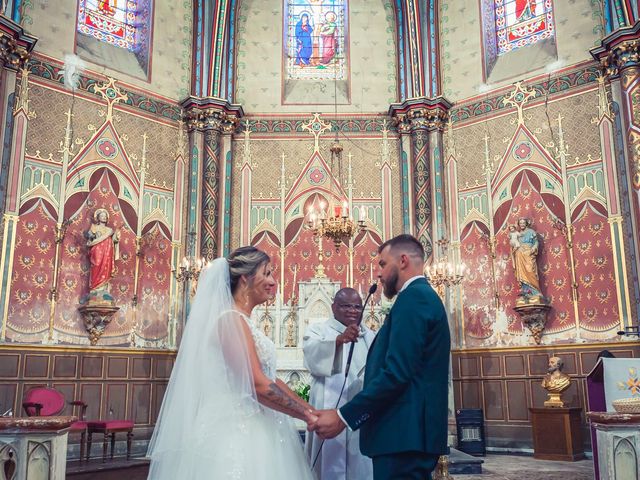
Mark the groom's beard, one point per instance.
(390, 286)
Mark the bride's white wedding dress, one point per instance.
(211, 425)
(263, 445)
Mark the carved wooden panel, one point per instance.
(491, 366)
(517, 400)
(65, 366)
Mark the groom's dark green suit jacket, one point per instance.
(403, 405)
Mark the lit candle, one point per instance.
(363, 213)
(370, 273)
(295, 275)
(345, 209)
(185, 262)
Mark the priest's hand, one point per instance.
(329, 424)
(349, 335)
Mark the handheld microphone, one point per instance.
(372, 290)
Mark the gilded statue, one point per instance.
(103, 242)
(555, 382)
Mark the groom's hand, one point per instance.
(329, 424)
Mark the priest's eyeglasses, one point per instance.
(350, 306)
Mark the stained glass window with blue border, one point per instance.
(520, 23)
(316, 39)
(116, 22)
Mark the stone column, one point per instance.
(15, 47)
(208, 120)
(425, 119)
(619, 54)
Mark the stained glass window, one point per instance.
(116, 22)
(316, 46)
(522, 22)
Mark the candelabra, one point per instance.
(443, 274)
(339, 227)
(190, 267)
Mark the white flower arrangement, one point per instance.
(385, 306)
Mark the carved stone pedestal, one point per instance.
(618, 445)
(533, 315)
(96, 317)
(34, 447)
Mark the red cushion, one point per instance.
(78, 426)
(52, 401)
(110, 424)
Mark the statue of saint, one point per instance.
(524, 251)
(103, 242)
(555, 382)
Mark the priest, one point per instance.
(326, 348)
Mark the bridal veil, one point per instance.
(211, 391)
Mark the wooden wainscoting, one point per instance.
(115, 383)
(506, 382)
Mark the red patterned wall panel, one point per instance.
(28, 318)
(478, 293)
(153, 289)
(595, 270)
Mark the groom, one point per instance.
(402, 410)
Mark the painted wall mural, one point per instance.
(568, 200)
(60, 189)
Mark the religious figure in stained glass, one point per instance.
(116, 22)
(107, 7)
(522, 22)
(316, 39)
(328, 37)
(304, 45)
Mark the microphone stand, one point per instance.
(372, 290)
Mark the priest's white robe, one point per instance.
(340, 458)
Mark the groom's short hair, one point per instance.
(406, 244)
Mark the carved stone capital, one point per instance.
(619, 50)
(420, 114)
(211, 114)
(15, 44)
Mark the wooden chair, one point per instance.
(46, 402)
(109, 428)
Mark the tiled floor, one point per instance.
(516, 467)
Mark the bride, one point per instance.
(222, 414)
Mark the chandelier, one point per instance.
(337, 226)
(190, 266)
(443, 273)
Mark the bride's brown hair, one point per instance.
(245, 261)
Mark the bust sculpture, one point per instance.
(555, 382)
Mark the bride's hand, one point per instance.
(311, 419)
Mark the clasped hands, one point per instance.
(326, 423)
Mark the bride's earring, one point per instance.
(246, 297)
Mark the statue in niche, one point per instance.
(524, 252)
(103, 242)
(555, 382)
